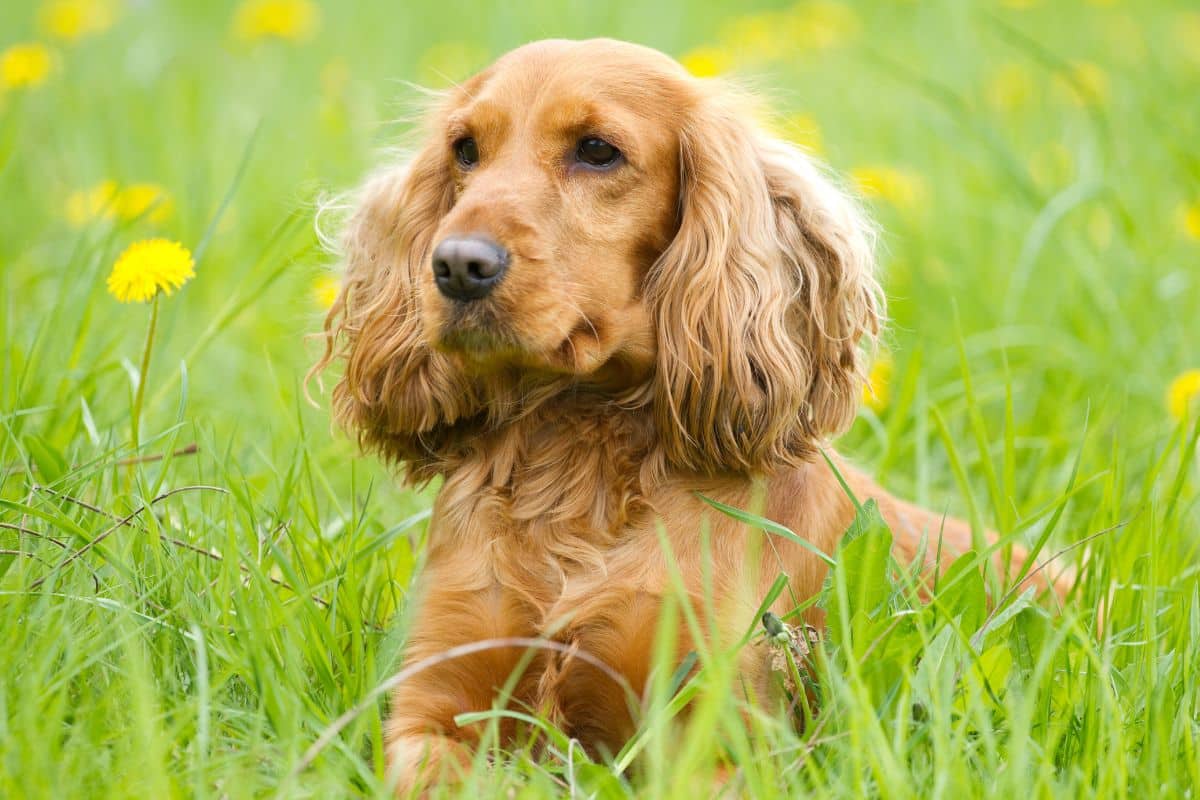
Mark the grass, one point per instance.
(189, 618)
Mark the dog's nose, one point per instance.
(468, 267)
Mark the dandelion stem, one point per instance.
(143, 373)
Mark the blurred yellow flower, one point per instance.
(756, 37)
(1012, 86)
(877, 391)
(325, 290)
(1052, 165)
(802, 129)
(71, 20)
(149, 267)
(1184, 393)
(822, 23)
(902, 188)
(147, 199)
(1100, 228)
(1085, 85)
(1187, 34)
(25, 65)
(107, 199)
(706, 62)
(88, 205)
(1189, 219)
(449, 62)
(1020, 4)
(293, 20)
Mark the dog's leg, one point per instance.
(424, 744)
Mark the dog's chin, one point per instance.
(486, 342)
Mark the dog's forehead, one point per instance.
(558, 74)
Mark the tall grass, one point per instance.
(193, 617)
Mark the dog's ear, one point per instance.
(762, 301)
(401, 396)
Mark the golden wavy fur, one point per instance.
(691, 318)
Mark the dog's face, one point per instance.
(565, 186)
(587, 214)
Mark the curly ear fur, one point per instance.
(762, 300)
(399, 394)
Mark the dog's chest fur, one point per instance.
(549, 495)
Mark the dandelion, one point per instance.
(1011, 87)
(291, 20)
(1187, 34)
(1100, 228)
(26, 65)
(147, 199)
(92, 204)
(448, 62)
(149, 267)
(1085, 84)
(877, 392)
(756, 37)
(71, 20)
(1052, 165)
(144, 271)
(822, 24)
(1183, 394)
(1189, 219)
(802, 129)
(325, 290)
(902, 188)
(706, 62)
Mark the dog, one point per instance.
(598, 292)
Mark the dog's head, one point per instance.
(586, 215)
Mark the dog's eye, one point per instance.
(467, 152)
(597, 152)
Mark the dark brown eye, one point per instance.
(467, 152)
(597, 153)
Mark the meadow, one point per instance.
(199, 576)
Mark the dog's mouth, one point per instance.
(480, 334)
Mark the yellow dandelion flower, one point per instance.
(1183, 395)
(140, 199)
(25, 65)
(71, 20)
(1187, 34)
(822, 24)
(802, 129)
(292, 20)
(1189, 219)
(706, 62)
(755, 37)
(1012, 86)
(1020, 5)
(1052, 165)
(325, 290)
(1100, 228)
(902, 188)
(89, 205)
(1085, 85)
(448, 62)
(877, 391)
(149, 267)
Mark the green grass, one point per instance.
(190, 626)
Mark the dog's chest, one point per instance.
(549, 504)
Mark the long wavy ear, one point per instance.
(762, 300)
(400, 395)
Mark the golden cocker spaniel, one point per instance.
(598, 291)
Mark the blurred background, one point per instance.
(1032, 165)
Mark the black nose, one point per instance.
(468, 267)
